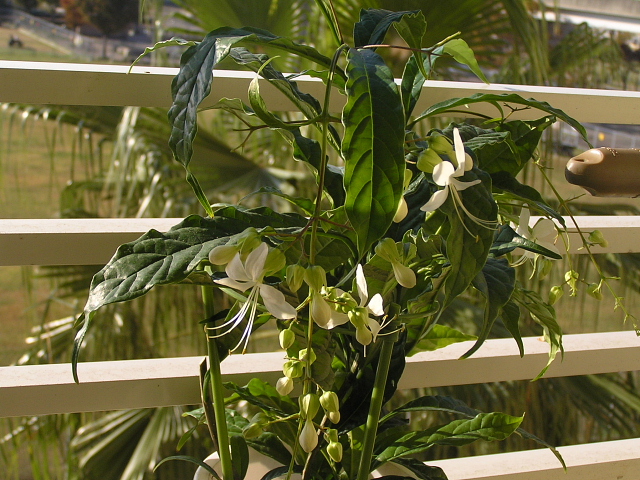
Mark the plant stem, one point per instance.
(217, 391)
(377, 399)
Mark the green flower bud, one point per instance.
(331, 435)
(364, 335)
(402, 211)
(302, 355)
(334, 450)
(440, 144)
(594, 290)
(555, 293)
(334, 417)
(251, 431)
(571, 277)
(309, 405)
(284, 386)
(329, 401)
(308, 437)
(222, 254)
(286, 338)
(597, 238)
(293, 368)
(316, 277)
(295, 277)
(275, 261)
(427, 160)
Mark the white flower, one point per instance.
(247, 275)
(446, 176)
(308, 437)
(367, 328)
(387, 250)
(543, 233)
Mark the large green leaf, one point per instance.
(468, 243)
(164, 258)
(496, 282)
(484, 426)
(373, 146)
(498, 99)
(507, 240)
(193, 82)
(374, 24)
(263, 395)
(461, 53)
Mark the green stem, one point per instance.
(377, 399)
(217, 391)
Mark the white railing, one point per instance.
(47, 389)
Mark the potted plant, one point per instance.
(401, 223)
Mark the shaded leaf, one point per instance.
(511, 320)
(507, 240)
(441, 336)
(373, 146)
(374, 24)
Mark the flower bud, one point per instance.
(334, 417)
(302, 355)
(427, 160)
(334, 450)
(402, 211)
(284, 386)
(222, 254)
(293, 368)
(286, 338)
(316, 277)
(594, 290)
(309, 405)
(251, 431)
(440, 144)
(248, 240)
(555, 293)
(545, 267)
(308, 437)
(364, 335)
(275, 261)
(331, 435)
(295, 277)
(329, 401)
(597, 238)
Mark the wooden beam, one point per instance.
(48, 389)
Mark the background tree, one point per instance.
(73, 15)
(109, 16)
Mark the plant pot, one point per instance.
(260, 464)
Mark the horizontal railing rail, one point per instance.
(49, 389)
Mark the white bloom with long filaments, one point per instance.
(445, 175)
(367, 328)
(543, 233)
(247, 275)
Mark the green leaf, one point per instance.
(309, 151)
(190, 460)
(461, 53)
(412, 27)
(506, 182)
(507, 240)
(545, 315)
(485, 426)
(496, 99)
(374, 24)
(441, 336)
(193, 82)
(423, 471)
(373, 147)
(329, 15)
(304, 203)
(468, 244)
(271, 445)
(511, 318)
(172, 42)
(239, 456)
(495, 282)
(433, 403)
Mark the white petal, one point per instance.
(337, 318)
(401, 213)
(375, 305)
(254, 264)
(460, 185)
(544, 228)
(284, 386)
(404, 275)
(375, 328)
(276, 304)
(460, 153)
(231, 283)
(442, 173)
(320, 310)
(436, 200)
(235, 270)
(363, 335)
(523, 223)
(361, 283)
